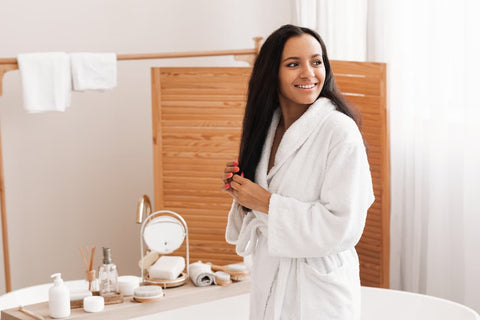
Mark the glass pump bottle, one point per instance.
(108, 274)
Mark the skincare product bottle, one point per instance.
(108, 275)
(58, 298)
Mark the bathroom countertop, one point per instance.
(183, 296)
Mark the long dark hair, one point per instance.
(262, 99)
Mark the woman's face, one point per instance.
(302, 72)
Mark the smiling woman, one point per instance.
(304, 188)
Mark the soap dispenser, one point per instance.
(108, 275)
(58, 298)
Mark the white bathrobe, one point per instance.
(304, 262)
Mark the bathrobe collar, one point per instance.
(292, 139)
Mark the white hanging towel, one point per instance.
(94, 71)
(46, 81)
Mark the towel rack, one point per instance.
(9, 64)
(248, 55)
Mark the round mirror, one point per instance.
(164, 234)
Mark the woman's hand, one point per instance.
(243, 190)
(249, 194)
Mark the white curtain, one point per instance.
(344, 31)
(432, 52)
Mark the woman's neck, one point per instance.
(290, 114)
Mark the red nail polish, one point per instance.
(235, 163)
(227, 186)
(236, 169)
(242, 174)
(230, 175)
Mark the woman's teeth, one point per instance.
(308, 86)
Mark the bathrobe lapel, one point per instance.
(293, 138)
(262, 167)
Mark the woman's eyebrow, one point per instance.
(297, 58)
(291, 58)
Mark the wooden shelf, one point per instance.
(175, 298)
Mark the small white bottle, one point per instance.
(58, 298)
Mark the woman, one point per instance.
(303, 186)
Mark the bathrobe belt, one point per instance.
(255, 225)
(252, 227)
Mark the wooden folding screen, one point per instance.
(197, 116)
(364, 84)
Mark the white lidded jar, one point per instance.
(58, 298)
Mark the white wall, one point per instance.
(73, 179)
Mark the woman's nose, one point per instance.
(307, 72)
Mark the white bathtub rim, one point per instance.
(421, 295)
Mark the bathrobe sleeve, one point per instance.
(234, 223)
(335, 222)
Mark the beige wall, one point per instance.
(73, 179)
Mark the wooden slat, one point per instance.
(205, 97)
(157, 139)
(364, 86)
(226, 123)
(357, 68)
(197, 118)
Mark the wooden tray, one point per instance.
(166, 283)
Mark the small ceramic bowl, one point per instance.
(127, 284)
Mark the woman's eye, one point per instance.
(317, 62)
(292, 64)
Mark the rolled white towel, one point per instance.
(167, 268)
(94, 71)
(201, 274)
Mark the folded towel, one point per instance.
(46, 81)
(79, 294)
(94, 71)
(201, 274)
(167, 268)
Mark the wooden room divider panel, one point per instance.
(197, 115)
(364, 84)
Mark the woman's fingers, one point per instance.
(234, 185)
(230, 169)
(232, 181)
(232, 163)
(239, 179)
(227, 176)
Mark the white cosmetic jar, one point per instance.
(127, 284)
(93, 304)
